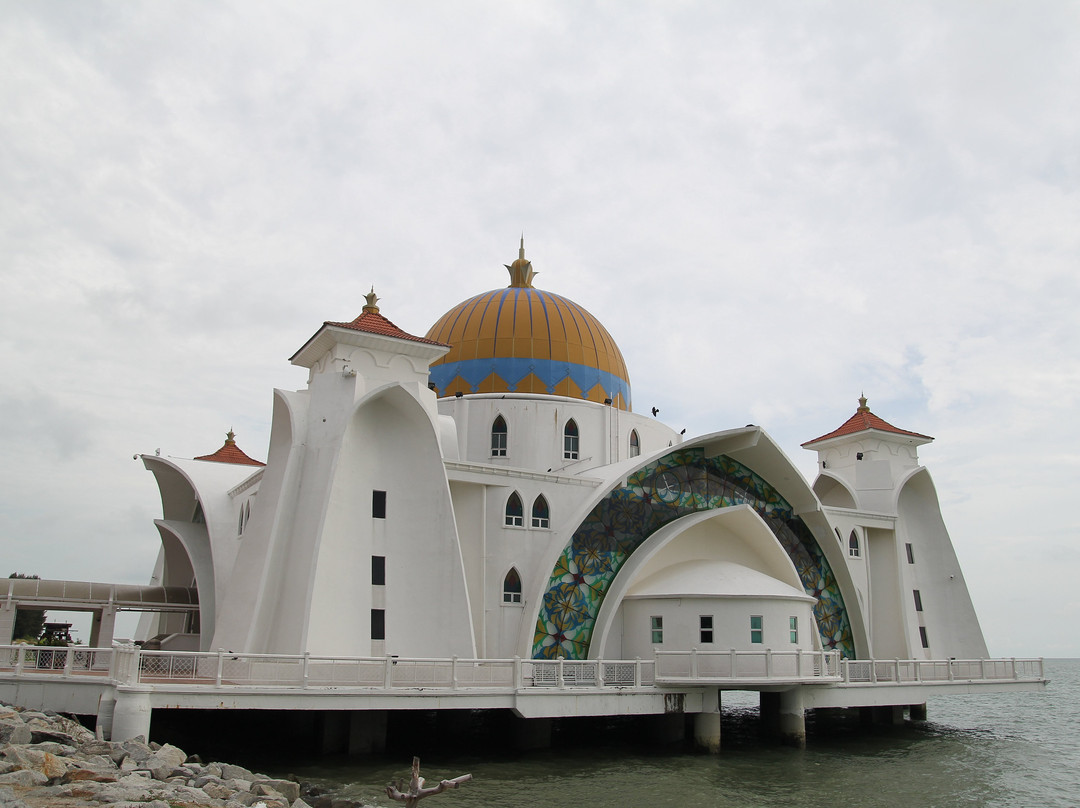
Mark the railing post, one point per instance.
(637, 671)
(873, 671)
(305, 670)
(798, 663)
(599, 673)
(519, 681)
(20, 659)
(69, 656)
(559, 673)
(453, 672)
(918, 670)
(847, 671)
(1014, 668)
(896, 671)
(220, 666)
(949, 666)
(982, 669)
(768, 663)
(388, 673)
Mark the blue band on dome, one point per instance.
(513, 370)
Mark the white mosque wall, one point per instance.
(947, 613)
(535, 431)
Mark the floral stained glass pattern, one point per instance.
(678, 484)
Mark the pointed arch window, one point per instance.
(498, 437)
(540, 513)
(853, 548)
(570, 440)
(512, 587)
(515, 513)
(635, 443)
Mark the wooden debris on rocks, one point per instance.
(417, 791)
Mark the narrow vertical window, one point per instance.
(378, 504)
(378, 624)
(853, 545)
(498, 437)
(515, 514)
(540, 512)
(570, 440)
(793, 629)
(757, 628)
(923, 637)
(705, 628)
(910, 553)
(635, 443)
(918, 599)
(378, 570)
(512, 587)
(656, 626)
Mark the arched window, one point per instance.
(498, 437)
(540, 512)
(853, 545)
(512, 587)
(515, 514)
(635, 444)
(570, 441)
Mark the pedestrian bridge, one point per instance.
(103, 600)
(124, 684)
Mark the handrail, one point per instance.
(130, 665)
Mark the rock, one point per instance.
(99, 775)
(230, 771)
(27, 757)
(15, 733)
(137, 749)
(47, 735)
(217, 790)
(286, 788)
(24, 777)
(96, 747)
(299, 803)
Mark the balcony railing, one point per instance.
(223, 669)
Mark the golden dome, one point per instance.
(525, 340)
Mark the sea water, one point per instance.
(1020, 750)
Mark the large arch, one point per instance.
(679, 483)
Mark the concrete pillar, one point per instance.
(367, 732)
(707, 724)
(669, 728)
(917, 712)
(793, 718)
(106, 707)
(131, 716)
(103, 627)
(532, 733)
(334, 729)
(7, 622)
(891, 715)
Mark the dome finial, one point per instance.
(230, 437)
(862, 403)
(371, 308)
(521, 271)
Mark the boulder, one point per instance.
(11, 732)
(23, 777)
(230, 771)
(286, 788)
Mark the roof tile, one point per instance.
(231, 453)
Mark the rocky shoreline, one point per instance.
(52, 761)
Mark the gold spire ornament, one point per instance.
(371, 308)
(521, 271)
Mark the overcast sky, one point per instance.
(773, 207)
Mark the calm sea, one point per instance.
(1020, 750)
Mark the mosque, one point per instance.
(487, 491)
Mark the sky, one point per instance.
(772, 207)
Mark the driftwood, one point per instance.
(417, 791)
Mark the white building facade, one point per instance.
(486, 491)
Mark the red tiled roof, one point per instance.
(862, 421)
(374, 323)
(230, 453)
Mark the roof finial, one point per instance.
(862, 403)
(230, 437)
(371, 308)
(521, 271)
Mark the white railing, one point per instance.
(73, 660)
(913, 671)
(727, 666)
(127, 664)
